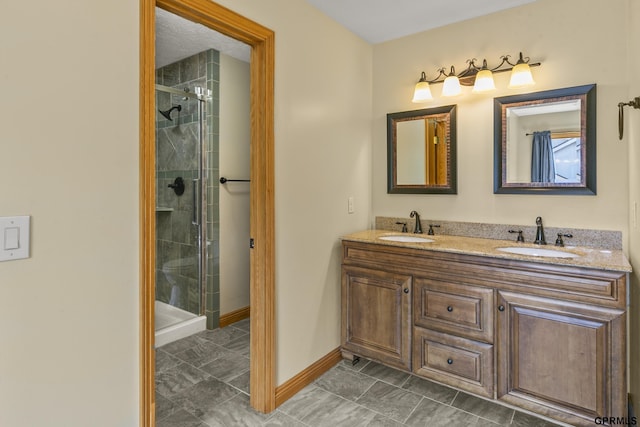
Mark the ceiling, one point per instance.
(178, 38)
(375, 21)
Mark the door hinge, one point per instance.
(252, 244)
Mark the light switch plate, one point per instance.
(14, 237)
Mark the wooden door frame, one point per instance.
(262, 216)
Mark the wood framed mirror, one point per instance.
(545, 142)
(421, 151)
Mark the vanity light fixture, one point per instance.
(422, 93)
(484, 79)
(481, 78)
(521, 74)
(451, 85)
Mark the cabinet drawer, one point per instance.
(450, 307)
(452, 360)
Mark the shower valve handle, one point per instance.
(178, 186)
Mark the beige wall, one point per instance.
(571, 55)
(234, 158)
(69, 104)
(632, 137)
(70, 146)
(322, 156)
(69, 158)
(599, 50)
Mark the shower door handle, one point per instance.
(196, 205)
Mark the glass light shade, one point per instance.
(451, 86)
(521, 76)
(484, 81)
(422, 92)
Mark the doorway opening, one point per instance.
(261, 218)
(182, 207)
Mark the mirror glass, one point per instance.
(545, 142)
(421, 151)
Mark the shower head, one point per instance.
(167, 113)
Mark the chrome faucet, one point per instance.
(418, 227)
(540, 240)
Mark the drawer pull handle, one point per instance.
(450, 361)
(501, 308)
(449, 309)
(406, 290)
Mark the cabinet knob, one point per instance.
(501, 308)
(449, 309)
(450, 361)
(406, 290)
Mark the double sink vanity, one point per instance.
(536, 327)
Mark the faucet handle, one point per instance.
(559, 241)
(430, 232)
(404, 226)
(520, 238)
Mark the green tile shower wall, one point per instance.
(176, 237)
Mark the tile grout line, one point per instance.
(471, 413)
(365, 392)
(385, 381)
(373, 410)
(403, 389)
(399, 387)
(405, 381)
(353, 401)
(412, 411)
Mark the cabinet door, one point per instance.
(376, 315)
(560, 359)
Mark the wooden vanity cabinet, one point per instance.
(547, 338)
(376, 315)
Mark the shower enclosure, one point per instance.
(186, 205)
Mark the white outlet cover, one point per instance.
(8, 250)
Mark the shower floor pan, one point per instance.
(173, 323)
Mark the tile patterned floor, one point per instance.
(203, 381)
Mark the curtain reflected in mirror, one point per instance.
(543, 167)
(545, 142)
(421, 151)
(556, 157)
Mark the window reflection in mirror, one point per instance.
(528, 123)
(545, 142)
(421, 151)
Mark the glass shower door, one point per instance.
(181, 173)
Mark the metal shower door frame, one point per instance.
(199, 185)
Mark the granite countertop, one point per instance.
(602, 259)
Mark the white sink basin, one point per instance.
(406, 239)
(540, 252)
